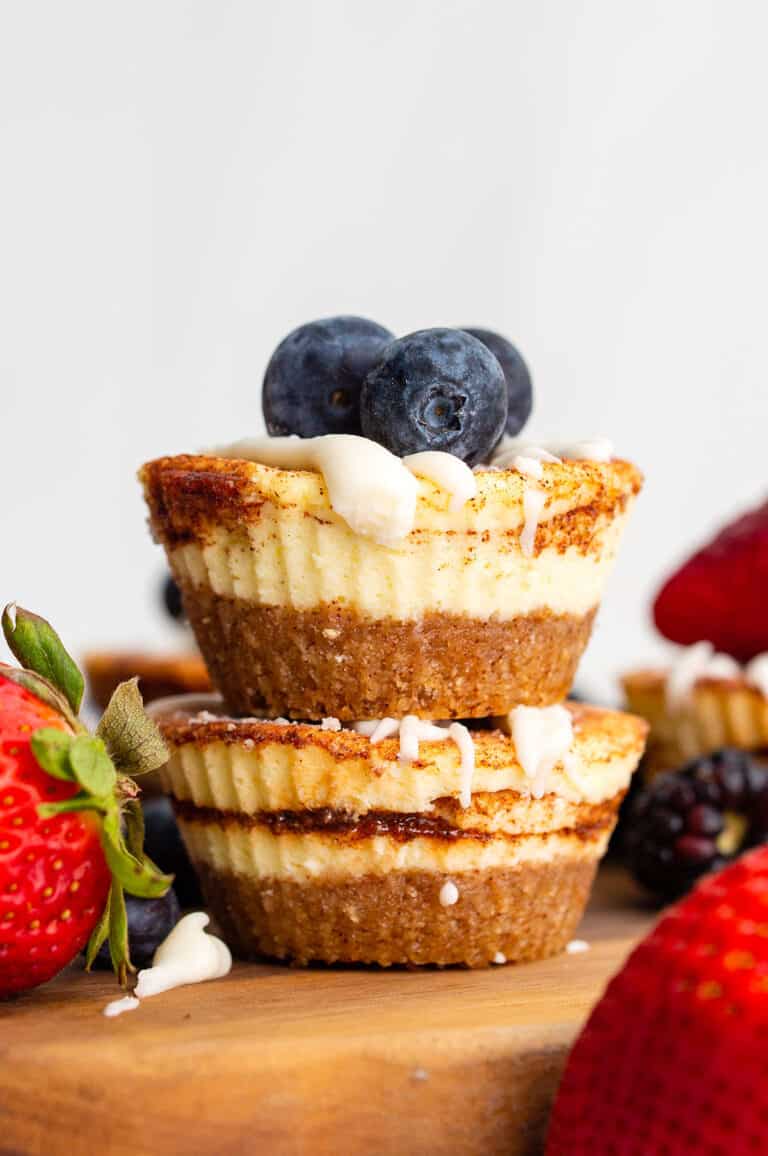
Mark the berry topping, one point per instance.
(689, 822)
(70, 822)
(438, 389)
(719, 594)
(312, 383)
(172, 599)
(150, 921)
(672, 1060)
(516, 374)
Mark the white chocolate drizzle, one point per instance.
(700, 661)
(449, 894)
(187, 955)
(447, 472)
(693, 663)
(370, 488)
(590, 450)
(756, 673)
(543, 737)
(118, 1006)
(463, 739)
(412, 731)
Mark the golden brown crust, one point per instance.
(526, 912)
(334, 661)
(159, 675)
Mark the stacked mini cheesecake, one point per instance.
(353, 604)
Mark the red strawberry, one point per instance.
(64, 860)
(719, 595)
(674, 1058)
(54, 879)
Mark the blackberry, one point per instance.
(686, 823)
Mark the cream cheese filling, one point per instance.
(258, 853)
(249, 777)
(288, 560)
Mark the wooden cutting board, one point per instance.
(328, 1060)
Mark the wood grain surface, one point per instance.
(327, 1060)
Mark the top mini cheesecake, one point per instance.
(329, 591)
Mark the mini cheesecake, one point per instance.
(476, 606)
(159, 675)
(715, 711)
(315, 842)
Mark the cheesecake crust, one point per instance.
(331, 660)
(526, 912)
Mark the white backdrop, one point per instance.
(182, 183)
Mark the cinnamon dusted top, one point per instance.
(190, 495)
(609, 731)
(278, 766)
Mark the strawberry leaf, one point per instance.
(98, 935)
(133, 822)
(138, 876)
(118, 934)
(131, 737)
(92, 766)
(51, 749)
(38, 648)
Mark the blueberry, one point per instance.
(312, 383)
(172, 599)
(516, 374)
(438, 389)
(149, 922)
(164, 845)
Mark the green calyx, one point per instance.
(37, 647)
(127, 743)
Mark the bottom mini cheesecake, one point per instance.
(315, 843)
